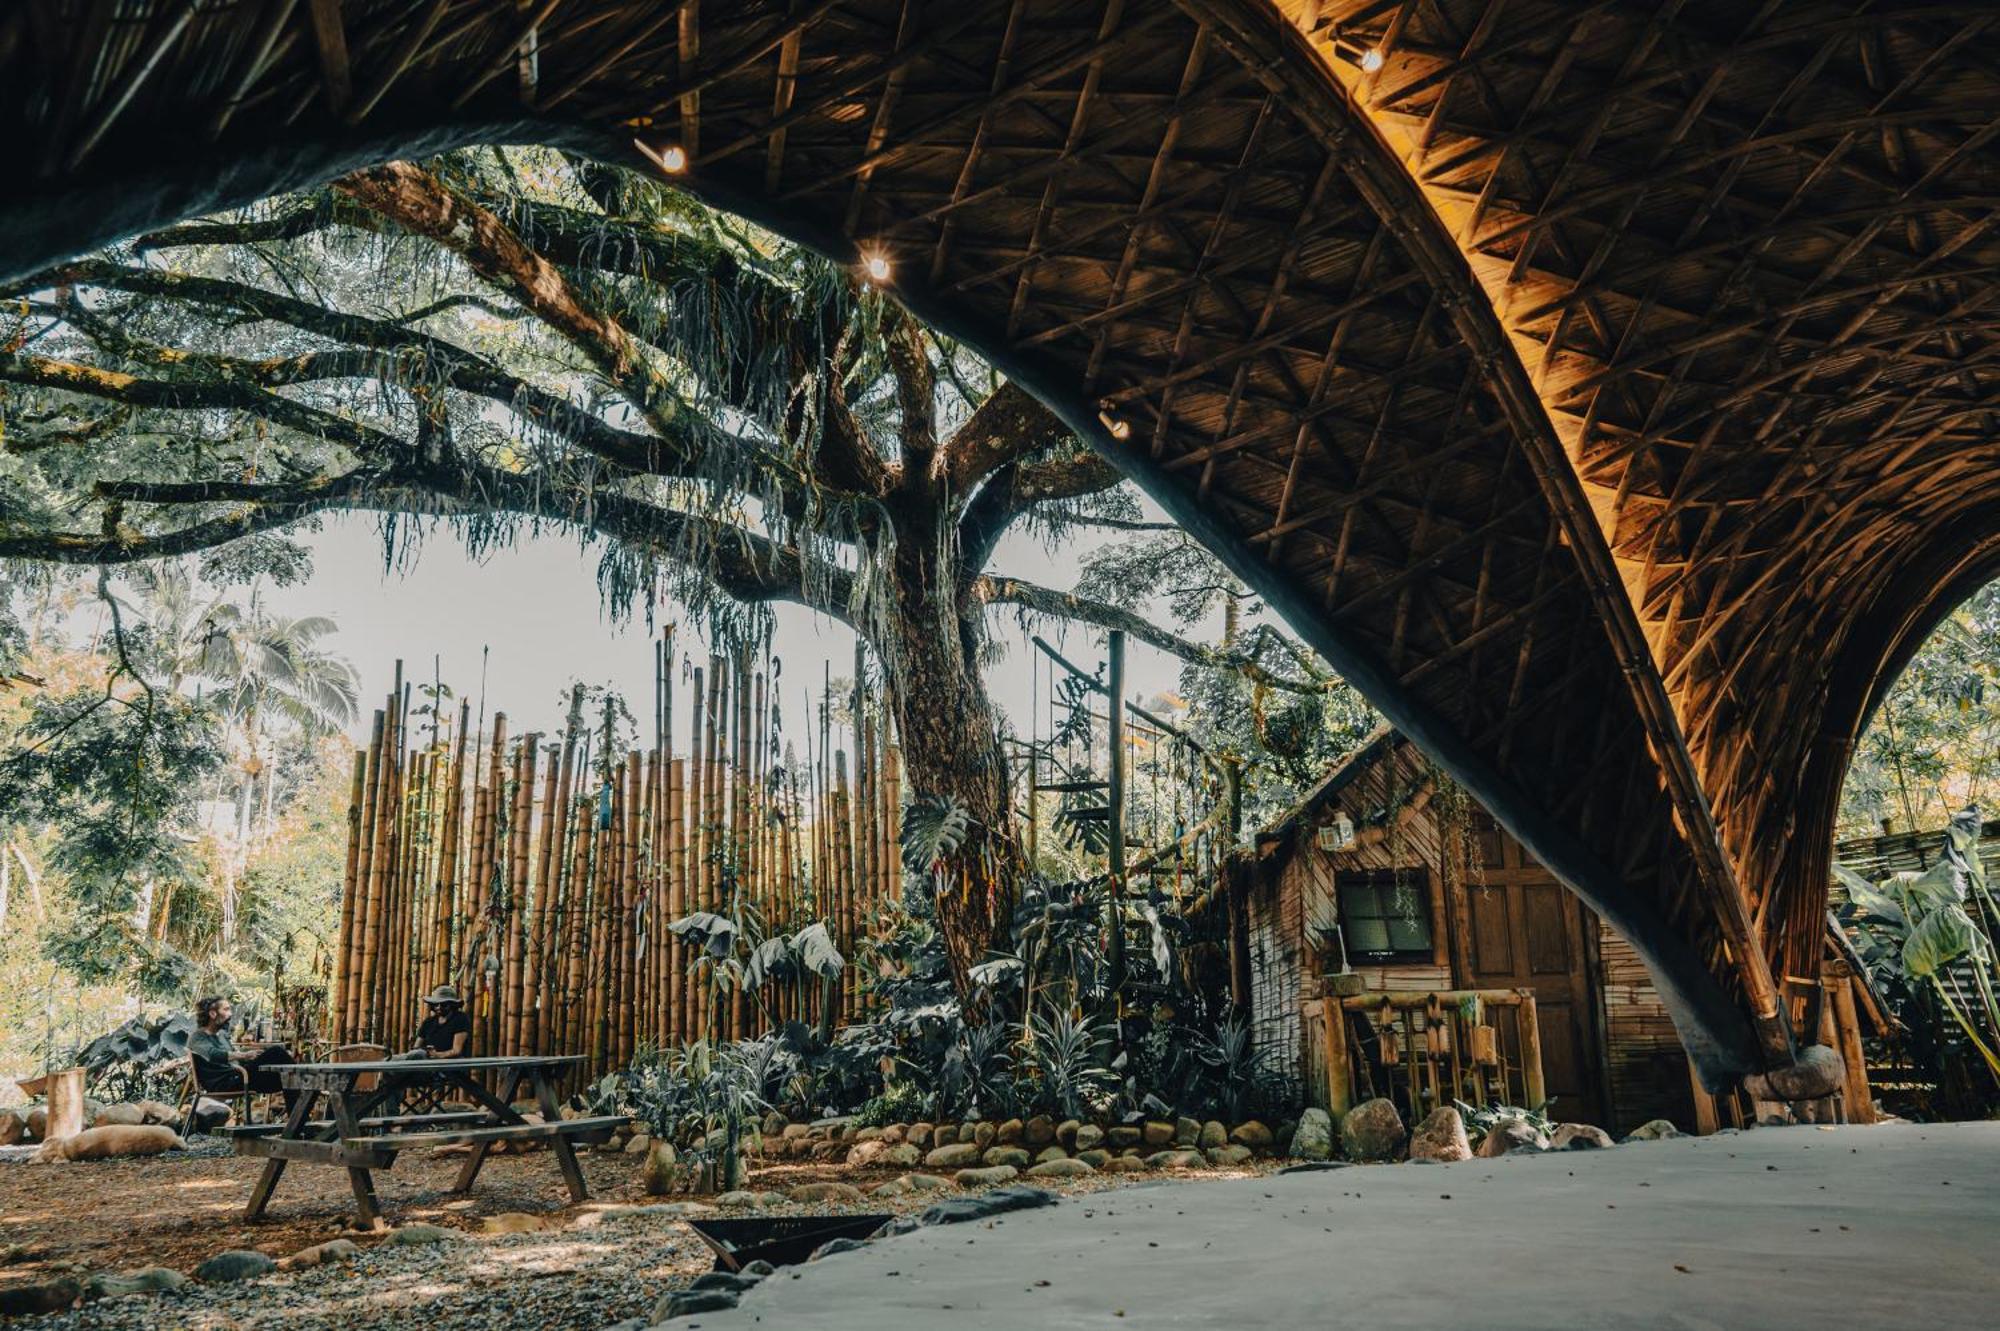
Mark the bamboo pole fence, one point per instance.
(539, 877)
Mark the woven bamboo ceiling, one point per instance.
(1606, 388)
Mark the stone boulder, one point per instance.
(12, 1128)
(1009, 1133)
(1653, 1130)
(40, 1296)
(1313, 1137)
(1579, 1137)
(1229, 1156)
(1124, 1164)
(145, 1280)
(1066, 1133)
(513, 1222)
(983, 1134)
(774, 1124)
(321, 1254)
(1095, 1159)
(1063, 1168)
(926, 1182)
(1213, 1134)
(825, 1192)
(119, 1116)
(37, 1122)
(1252, 1134)
(921, 1135)
(896, 1134)
(1440, 1137)
(1372, 1130)
(233, 1265)
(1038, 1131)
(1088, 1137)
(1177, 1160)
(991, 1176)
(902, 1155)
(419, 1236)
(1510, 1135)
(1008, 1155)
(1048, 1153)
(1157, 1134)
(958, 1155)
(1187, 1132)
(1122, 1136)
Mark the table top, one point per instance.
(437, 1064)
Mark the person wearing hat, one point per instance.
(446, 1030)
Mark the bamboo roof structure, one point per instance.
(1606, 390)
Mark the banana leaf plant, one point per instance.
(1914, 931)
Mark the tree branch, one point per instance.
(1008, 425)
(1017, 487)
(995, 589)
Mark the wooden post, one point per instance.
(1531, 1051)
(343, 978)
(1115, 798)
(65, 1116)
(1339, 1076)
(1838, 978)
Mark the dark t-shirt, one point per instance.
(437, 1032)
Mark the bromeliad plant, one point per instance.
(1924, 937)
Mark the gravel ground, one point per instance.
(179, 1209)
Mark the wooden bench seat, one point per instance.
(321, 1124)
(567, 1127)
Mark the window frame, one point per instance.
(1418, 879)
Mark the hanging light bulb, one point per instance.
(1371, 59)
(1114, 426)
(876, 266)
(673, 159)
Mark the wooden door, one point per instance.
(1521, 929)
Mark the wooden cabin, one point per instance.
(1425, 894)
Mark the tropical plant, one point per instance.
(1481, 1120)
(1066, 1063)
(1921, 932)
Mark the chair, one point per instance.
(192, 1093)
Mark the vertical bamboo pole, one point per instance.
(357, 796)
(628, 954)
(576, 905)
(677, 898)
(693, 988)
(378, 873)
(519, 830)
(448, 853)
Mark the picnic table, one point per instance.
(355, 1137)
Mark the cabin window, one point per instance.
(1385, 915)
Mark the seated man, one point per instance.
(446, 1031)
(220, 1066)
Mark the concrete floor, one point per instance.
(1852, 1227)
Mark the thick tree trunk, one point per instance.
(951, 747)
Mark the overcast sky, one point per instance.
(537, 606)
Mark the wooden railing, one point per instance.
(1426, 1048)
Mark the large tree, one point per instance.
(505, 340)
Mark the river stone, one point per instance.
(902, 1155)
(825, 1192)
(234, 1264)
(1372, 1130)
(1158, 1134)
(1440, 1137)
(1229, 1156)
(1579, 1137)
(12, 1128)
(321, 1254)
(1252, 1134)
(1088, 1137)
(956, 1156)
(796, 1131)
(37, 1122)
(513, 1222)
(683, 1303)
(41, 1296)
(867, 1153)
(1038, 1131)
(1122, 1136)
(895, 1187)
(1048, 1153)
(417, 1236)
(866, 1135)
(896, 1134)
(1177, 1160)
(146, 1280)
(1123, 1164)
(983, 1135)
(920, 1135)
(1063, 1168)
(1313, 1138)
(1008, 1155)
(1653, 1130)
(119, 1116)
(1095, 1159)
(1512, 1134)
(1009, 1133)
(1213, 1134)
(1066, 1133)
(1187, 1131)
(774, 1124)
(986, 1178)
(926, 1182)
